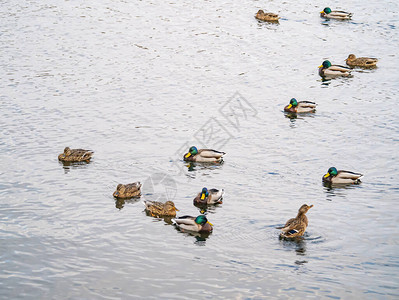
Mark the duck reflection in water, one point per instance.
(194, 166)
(120, 203)
(298, 244)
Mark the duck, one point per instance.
(268, 17)
(75, 155)
(160, 209)
(209, 197)
(203, 155)
(335, 176)
(296, 227)
(300, 107)
(327, 13)
(364, 62)
(130, 190)
(328, 70)
(194, 224)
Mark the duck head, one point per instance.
(331, 172)
(304, 208)
(351, 57)
(326, 64)
(293, 103)
(191, 152)
(204, 193)
(202, 220)
(326, 10)
(170, 206)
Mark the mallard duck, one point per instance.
(75, 155)
(203, 155)
(328, 70)
(296, 226)
(300, 107)
(160, 209)
(268, 17)
(130, 190)
(341, 177)
(195, 224)
(212, 196)
(364, 62)
(335, 14)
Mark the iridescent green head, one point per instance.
(331, 172)
(293, 102)
(191, 152)
(326, 64)
(201, 219)
(327, 10)
(204, 193)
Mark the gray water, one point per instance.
(138, 83)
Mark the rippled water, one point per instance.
(138, 83)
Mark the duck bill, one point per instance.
(322, 12)
(289, 106)
(202, 196)
(177, 209)
(321, 66)
(209, 223)
(328, 174)
(310, 206)
(187, 155)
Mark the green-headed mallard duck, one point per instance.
(268, 17)
(130, 190)
(327, 13)
(341, 177)
(75, 155)
(296, 226)
(203, 155)
(364, 62)
(328, 70)
(300, 107)
(208, 197)
(160, 209)
(195, 224)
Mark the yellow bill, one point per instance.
(210, 223)
(202, 196)
(187, 155)
(328, 174)
(289, 106)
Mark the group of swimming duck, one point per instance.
(294, 227)
(328, 70)
(207, 197)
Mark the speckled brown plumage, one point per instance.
(75, 155)
(160, 209)
(364, 62)
(268, 17)
(130, 190)
(296, 226)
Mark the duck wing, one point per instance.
(349, 175)
(215, 196)
(187, 223)
(209, 153)
(307, 104)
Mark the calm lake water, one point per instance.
(139, 82)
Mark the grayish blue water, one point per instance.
(138, 82)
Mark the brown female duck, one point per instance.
(268, 17)
(75, 155)
(296, 226)
(130, 190)
(363, 62)
(160, 209)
